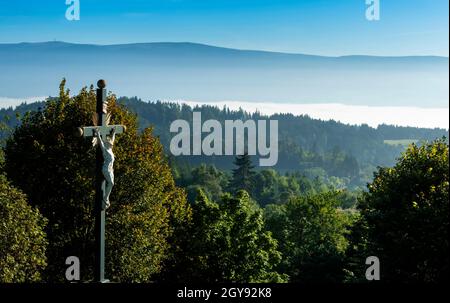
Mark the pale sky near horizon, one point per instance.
(322, 27)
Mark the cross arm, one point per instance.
(88, 131)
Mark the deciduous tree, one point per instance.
(22, 238)
(56, 171)
(405, 215)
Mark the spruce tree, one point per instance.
(243, 174)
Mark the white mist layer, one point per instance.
(13, 102)
(348, 114)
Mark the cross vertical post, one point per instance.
(102, 136)
(99, 207)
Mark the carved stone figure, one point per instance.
(108, 162)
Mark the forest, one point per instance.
(327, 150)
(339, 194)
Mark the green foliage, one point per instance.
(212, 181)
(22, 239)
(311, 232)
(351, 153)
(10, 117)
(405, 216)
(348, 199)
(228, 243)
(56, 170)
(273, 188)
(269, 186)
(344, 151)
(243, 174)
(2, 162)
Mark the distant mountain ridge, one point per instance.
(201, 72)
(188, 45)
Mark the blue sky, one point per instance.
(323, 27)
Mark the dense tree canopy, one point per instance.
(269, 186)
(311, 231)
(228, 243)
(305, 220)
(405, 216)
(212, 181)
(56, 170)
(22, 238)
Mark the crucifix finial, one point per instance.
(101, 83)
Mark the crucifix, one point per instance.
(103, 136)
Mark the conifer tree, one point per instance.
(243, 174)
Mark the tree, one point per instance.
(312, 233)
(243, 174)
(209, 179)
(22, 238)
(268, 185)
(56, 171)
(228, 243)
(405, 216)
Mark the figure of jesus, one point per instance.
(108, 163)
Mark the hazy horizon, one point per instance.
(348, 114)
(206, 73)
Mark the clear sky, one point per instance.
(322, 27)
